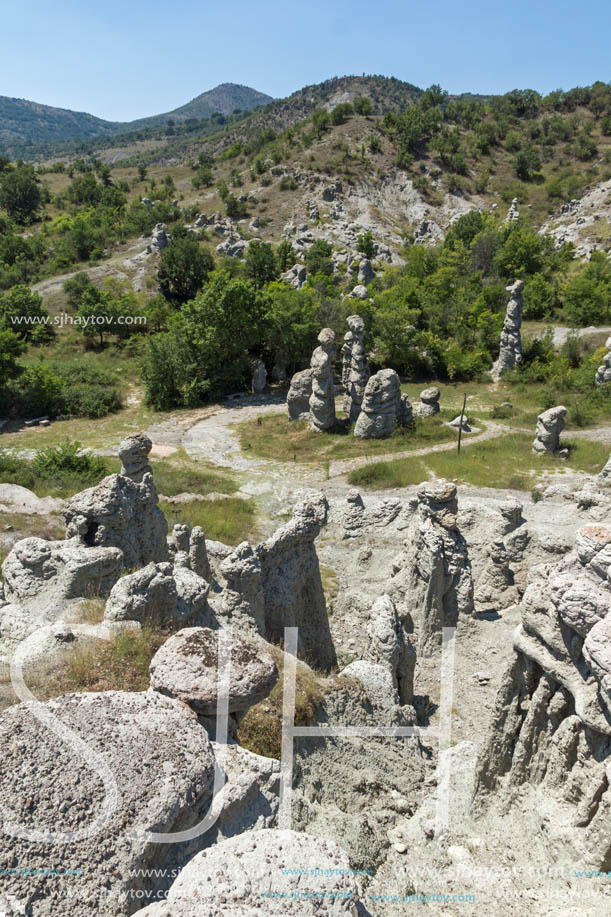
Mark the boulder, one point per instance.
(358, 292)
(366, 273)
(252, 876)
(145, 764)
(550, 424)
(429, 402)
(186, 667)
(298, 398)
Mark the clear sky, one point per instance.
(125, 59)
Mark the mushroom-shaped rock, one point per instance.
(134, 454)
(186, 667)
(246, 867)
(429, 402)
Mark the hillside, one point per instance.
(28, 129)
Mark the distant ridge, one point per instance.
(26, 125)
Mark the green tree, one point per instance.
(183, 268)
(318, 258)
(74, 288)
(20, 193)
(260, 264)
(22, 311)
(320, 120)
(362, 105)
(292, 322)
(142, 172)
(285, 256)
(366, 245)
(11, 347)
(587, 295)
(527, 163)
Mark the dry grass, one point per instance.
(260, 730)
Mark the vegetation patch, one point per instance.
(273, 437)
(507, 462)
(230, 520)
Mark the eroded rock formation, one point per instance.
(434, 586)
(550, 425)
(359, 372)
(603, 373)
(262, 865)
(382, 407)
(292, 589)
(549, 747)
(122, 510)
(322, 399)
(299, 394)
(510, 354)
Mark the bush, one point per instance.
(68, 460)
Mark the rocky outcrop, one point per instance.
(429, 403)
(292, 588)
(358, 372)
(549, 747)
(41, 580)
(258, 382)
(298, 398)
(603, 373)
(346, 350)
(295, 277)
(262, 864)
(510, 354)
(161, 595)
(122, 510)
(605, 475)
(550, 425)
(366, 272)
(434, 585)
(382, 407)
(186, 667)
(322, 399)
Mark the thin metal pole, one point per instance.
(462, 414)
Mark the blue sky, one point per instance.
(129, 59)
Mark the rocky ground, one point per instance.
(374, 797)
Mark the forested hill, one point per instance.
(27, 128)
